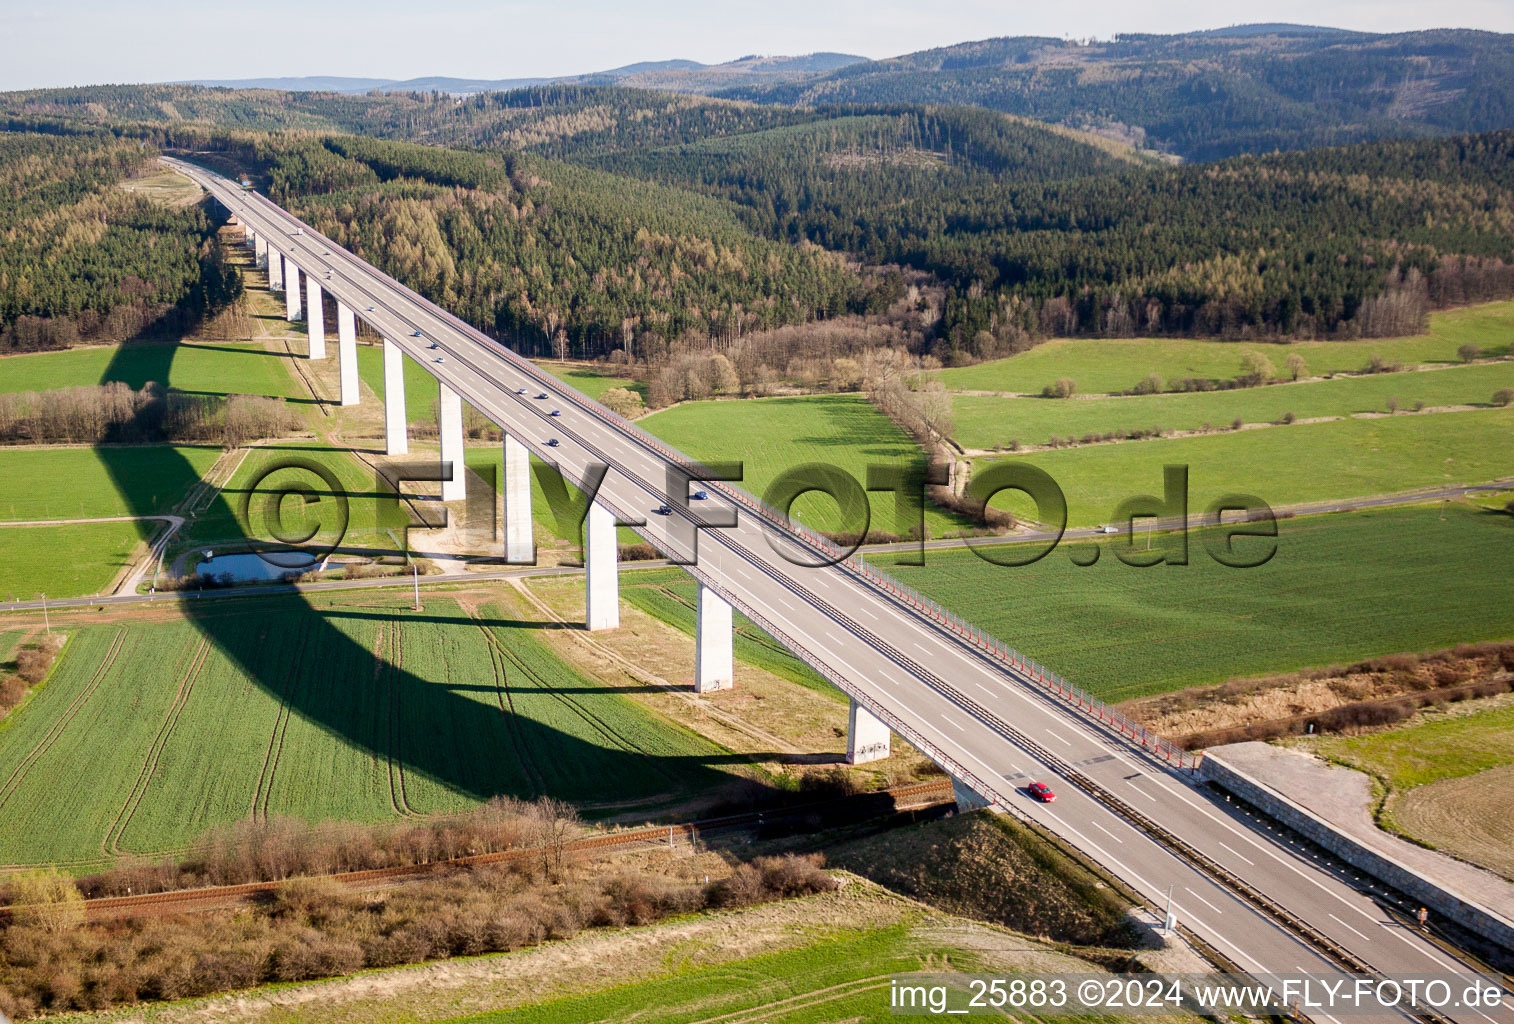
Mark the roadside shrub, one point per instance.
(1503, 396)
(1065, 387)
(1392, 405)
(1288, 417)
(1377, 364)
(32, 664)
(46, 900)
(1468, 352)
(639, 552)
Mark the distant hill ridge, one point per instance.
(645, 74)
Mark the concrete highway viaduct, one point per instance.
(1256, 896)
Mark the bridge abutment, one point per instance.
(867, 737)
(346, 353)
(396, 441)
(449, 408)
(968, 799)
(291, 290)
(713, 668)
(520, 548)
(601, 570)
(315, 319)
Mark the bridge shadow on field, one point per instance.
(489, 720)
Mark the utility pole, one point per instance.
(415, 577)
(45, 620)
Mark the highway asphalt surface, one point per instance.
(984, 723)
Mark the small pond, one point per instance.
(247, 567)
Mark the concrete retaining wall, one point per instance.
(1440, 900)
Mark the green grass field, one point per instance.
(89, 483)
(995, 422)
(210, 367)
(353, 709)
(63, 561)
(1340, 588)
(1446, 747)
(591, 380)
(843, 975)
(771, 435)
(1114, 365)
(1283, 465)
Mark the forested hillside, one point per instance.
(1205, 95)
(1036, 234)
(554, 257)
(83, 259)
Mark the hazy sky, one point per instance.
(79, 42)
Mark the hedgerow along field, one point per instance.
(351, 708)
(1110, 366)
(1340, 588)
(63, 561)
(1305, 462)
(998, 422)
(772, 435)
(219, 368)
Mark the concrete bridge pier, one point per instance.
(449, 408)
(249, 237)
(396, 442)
(275, 270)
(346, 353)
(315, 319)
(259, 251)
(291, 290)
(520, 548)
(867, 737)
(713, 669)
(601, 570)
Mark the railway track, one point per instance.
(915, 796)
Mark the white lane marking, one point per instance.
(984, 689)
(1202, 900)
(1111, 835)
(1349, 928)
(1397, 931)
(1240, 855)
(953, 724)
(1137, 789)
(864, 611)
(1058, 738)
